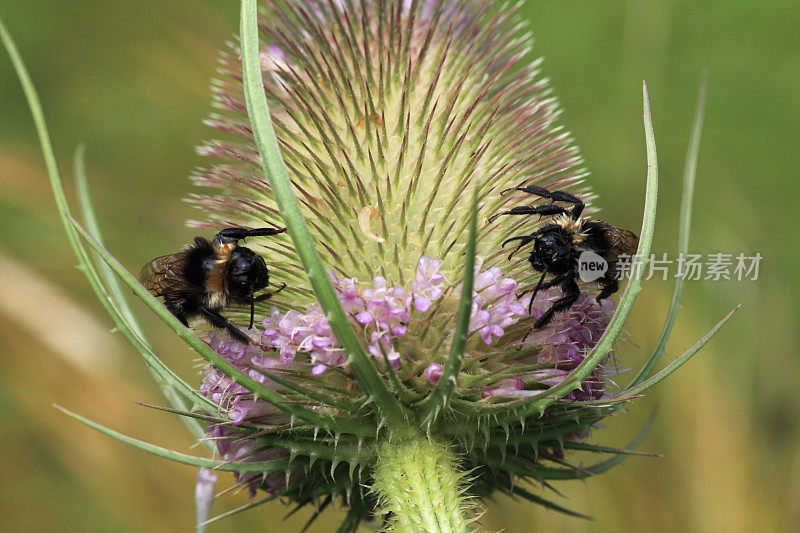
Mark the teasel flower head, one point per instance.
(390, 116)
(401, 125)
(398, 373)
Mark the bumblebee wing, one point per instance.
(164, 275)
(622, 241)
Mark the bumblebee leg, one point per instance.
(556, 280)
(268, 295)
(556, 196)
(176, 309)
(182, 318)
(610, 286)
(531, 189)
(571, 291)
(561, 278)
(547, 209)
(219, 321)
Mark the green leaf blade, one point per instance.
(679, 361)
(64, 212)
(173, 387)
(279, 465)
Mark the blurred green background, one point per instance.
(129, 78)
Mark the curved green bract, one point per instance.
(597, 468)
(275, 170)
(279, 465)
(673, 366)
(172, 386)
(111, 305)
(689, 174)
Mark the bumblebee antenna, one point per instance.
(232, 235)
(525, 240)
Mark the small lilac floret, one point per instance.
(571, 333)
(508, 388)
(433, 373)
(428, 285)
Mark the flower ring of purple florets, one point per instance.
(385, 314)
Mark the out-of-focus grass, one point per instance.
(130, 79)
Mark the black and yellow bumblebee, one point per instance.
(209, 276)
(558, 245)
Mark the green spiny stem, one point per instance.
(418, 481)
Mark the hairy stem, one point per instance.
(419, 482)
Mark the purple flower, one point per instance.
(572, 333)
(388, 306)
(234, 448)
(508, 388)
(427, 287)
(382, 313)
(495, 305)
(297, 332)
(433, 373)
(349, 294)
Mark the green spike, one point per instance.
(243, 468)
(547, 503)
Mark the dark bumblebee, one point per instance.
(558, 245)
(207, 277)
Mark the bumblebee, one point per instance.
(558, 247)
(207, 277)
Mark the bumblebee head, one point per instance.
(552, 251)
(247, 273)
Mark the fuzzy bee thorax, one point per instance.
(571, 226)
